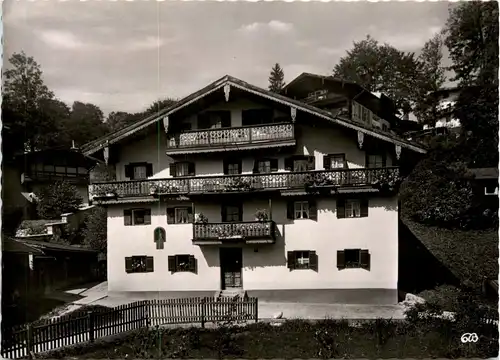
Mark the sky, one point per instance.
(123, 55)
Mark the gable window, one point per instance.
(137, 217)
(184, 168)
(182, 263)
(302, 259)
(214, 120)
(375, 160)
(138, 171)
(334, 161)
(232, 213)
(302, 209)
(139, 264)
(232, 167)
(300, 163)
(353, 258)
(179, 215)
(264, 166)
(352, 208)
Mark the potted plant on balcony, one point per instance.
(261, 215)
(106, 191)
(201, 219)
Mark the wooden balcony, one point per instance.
(235, 138)
(249, 232)
(231, 184)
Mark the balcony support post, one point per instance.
(106, 152)
(270, 209)
(194, 216)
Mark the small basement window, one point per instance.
(139, 264)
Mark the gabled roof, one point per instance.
(96, 145)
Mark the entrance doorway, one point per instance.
(230, 268)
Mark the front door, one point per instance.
(230, 267)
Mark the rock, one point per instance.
(414, 299)
(278, 315)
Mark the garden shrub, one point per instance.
(58, 198)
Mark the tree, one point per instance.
(85, 123)
(95, 229)
(472, 40)
(24, 93)
(431, 79)
(117, 120)
(276, 79)
(159, 105)
(58, 198)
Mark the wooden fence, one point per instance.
(80, 327)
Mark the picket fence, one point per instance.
(80, 327)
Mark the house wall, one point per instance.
(265, 270)
(311, 141)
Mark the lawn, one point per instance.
(294, 339)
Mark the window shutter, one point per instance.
(365, 259)
(290, 258)
(290, 210)
(225, 166)
(313, 260)
(171, 264)
(127, 217)
(190, 214)
(311, 163)
(170, 216)
(274, 165)
(289, 164)
(363, 208)
(223, 213)
(341, 259)
(256, 167)
(340, 208)
(191, 169)
(173, 170)
(326, 162)
(149, 170)
(147, 217)
(129, 172)
(225, 119)
(192, 264)
(149, 264)
(128, 264)
(313, 210)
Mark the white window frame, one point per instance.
(302, 259)
(337, 162)
(352, 208)
(138, 175)
(301, 208)
(182, 169)
(181, 215)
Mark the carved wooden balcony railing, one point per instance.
(247, 231)
(378, 177)
(247, 135)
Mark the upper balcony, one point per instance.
(248, 232)
(378, 178)
(234, 138)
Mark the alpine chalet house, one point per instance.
(237, 189)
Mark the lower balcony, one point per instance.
(248, 232)
(381, 178)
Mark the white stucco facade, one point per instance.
(264, 266)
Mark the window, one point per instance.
(160, 236)
(137, 217)
(180, 215)
(182, 169)
(353, 258)
(232, 213)
(214, 120)
(302, 209)
(182, 263)
(375, 160)
(257, 117)
(138, 171)
(139, 264)
(300, 163)
(264, 166)
(334, 161)
(232, 167)
(302, 259)
(352, 208)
